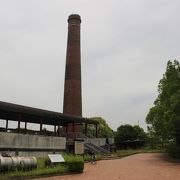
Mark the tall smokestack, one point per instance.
(72, 87)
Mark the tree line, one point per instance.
(163, 119)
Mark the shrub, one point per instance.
(173, 150)
(74, 163)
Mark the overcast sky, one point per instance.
(125, 46)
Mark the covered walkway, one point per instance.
(19, 113)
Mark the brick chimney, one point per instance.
(72, 86)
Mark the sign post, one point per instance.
(79, 146)
(56, 158)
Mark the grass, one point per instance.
(128, 152)
(43, 169)
(87, 157)
(38, 172)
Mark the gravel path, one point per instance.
(137, 167)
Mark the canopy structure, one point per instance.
(14, 112)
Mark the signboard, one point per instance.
(56, 158)
(79, 147)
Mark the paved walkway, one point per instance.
(136, 167)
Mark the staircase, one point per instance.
(88, 145)
(96, 149)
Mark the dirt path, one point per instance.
(136, 167)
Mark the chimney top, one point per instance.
(74, 16)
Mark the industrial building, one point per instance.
(68, 126)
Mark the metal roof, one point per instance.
(16, 112)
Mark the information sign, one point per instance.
(79, 146)
(56, 158)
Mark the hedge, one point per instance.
(75, 163)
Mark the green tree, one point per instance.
(103, 130)
(164, 116)
(124, 133)
(129, 133)
(140, 134)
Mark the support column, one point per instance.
(73, 128)
(86, 129)
(58, 129)
(41, 127)
(55, 130)
(6, 125)
(25, 126)
(19, 123)
(66, 131)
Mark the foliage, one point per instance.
(173, 150)
(153, 141)
(134, 135)
(74, 163)
(104, 130)
(164, 117)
